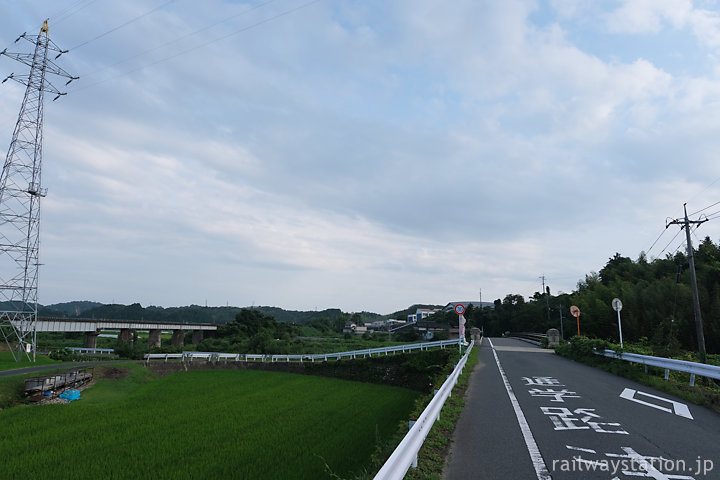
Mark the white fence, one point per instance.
(101, 351)
(250, 357)
(693, 368)
(405, 455)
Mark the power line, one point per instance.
(702, 210)
(63, 15)
(196, 47)
(132, 20)
(711, 216)
(671, 241)
(647, 252)
(178, 39)
(686, 223)
(701, 191)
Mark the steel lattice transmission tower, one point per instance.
(20, 194)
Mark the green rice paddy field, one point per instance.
(218, 424)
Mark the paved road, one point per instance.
(531, 414)
(57, 366)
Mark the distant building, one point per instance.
(352, 327)
(422, 313)
(377, 325)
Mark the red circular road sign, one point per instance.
(459, 309)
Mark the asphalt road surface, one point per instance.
(56, 366)
(531, 414)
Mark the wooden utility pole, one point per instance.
(693, 281)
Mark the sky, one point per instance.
(365, 155)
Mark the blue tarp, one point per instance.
(70, 395)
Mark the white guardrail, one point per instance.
(101, 351)
(693, 368)
(251, 357)
(405, 455)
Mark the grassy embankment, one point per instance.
(210, 424)
(7, 362)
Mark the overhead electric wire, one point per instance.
(713, 216)
(647, 252)
(67, 13)
(671, 241)
(710, 185)
(183, 37)
(132, 20)
(196, 47)
(702, 210)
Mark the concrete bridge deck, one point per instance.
(92, 328)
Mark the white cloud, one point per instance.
(651, 16)
(364, 155)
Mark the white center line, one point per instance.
(535, 455)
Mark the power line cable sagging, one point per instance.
(68, 12)
(199, 45)
(124, 24)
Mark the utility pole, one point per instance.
(546, 294)
(693, 280)
(20, 194)
(562, 334)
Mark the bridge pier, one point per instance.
(91, 338)
(197, 336)
(126, 335)
(178, 338)
(155, 338)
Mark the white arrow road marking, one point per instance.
(678, 408)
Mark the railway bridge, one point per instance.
(93, 327)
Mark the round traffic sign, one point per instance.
(459, 309)
(574, 311)
(616, 304)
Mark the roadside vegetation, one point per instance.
(705, 392)
(656, 296)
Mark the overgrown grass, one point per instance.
(206, 424)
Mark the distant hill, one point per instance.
(200, 314)
(187, 314)
(67, 308)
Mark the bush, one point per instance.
(62, 354)
(583, 348)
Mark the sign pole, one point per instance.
(575, 312)
(460, 309)
(617, 306)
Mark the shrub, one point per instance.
(582, 348)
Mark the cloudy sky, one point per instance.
(365, 155)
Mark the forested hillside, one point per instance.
(191, 314)
(656, 297)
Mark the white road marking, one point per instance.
(586, 450)
(540, 468)
(679, 409)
